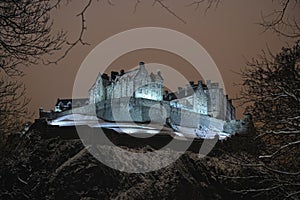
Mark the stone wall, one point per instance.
(127, 109)
(145, 110)
(190, 119)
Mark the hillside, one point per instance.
(35, 166)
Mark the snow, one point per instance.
(133, 128)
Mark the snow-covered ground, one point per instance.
(132, 128)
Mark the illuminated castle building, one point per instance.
(137, 83)
(204, 99)
(137, 96)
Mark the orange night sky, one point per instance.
(229, 34)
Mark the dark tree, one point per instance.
(271, 85)
(25, 36)
(26, 33)
(13, 105)
(271, 93)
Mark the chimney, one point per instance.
(41, 111)
(105, 76)
(142, 68)
(114, 75)
(159, 75)
(142, 65)
(179, 89)
(187, 88)
(165, 96)
(208, 83)
(122, 72)
(200, 83)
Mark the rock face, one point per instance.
(34, 167)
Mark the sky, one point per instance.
(229, 33)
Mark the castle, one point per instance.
(137, 83)
(204, 99)
(137, 96)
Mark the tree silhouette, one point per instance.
(271, 85)
(271, 93)
(13, 105)
(26, 34)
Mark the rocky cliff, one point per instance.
(35, 166)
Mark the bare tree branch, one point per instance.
(164, 6)
(280, 22)
(280, 149)
(79, 39)
(209, 4)
(25, 33)
(13, 105)
(136, 5)
(292, 194)
(270, 91)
